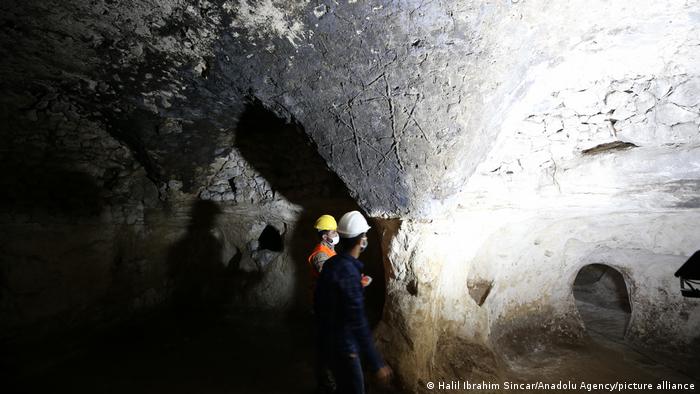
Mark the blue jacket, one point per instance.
(339, 305)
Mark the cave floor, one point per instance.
(236, 354)
(272, 354)
(597, 360)
(604, 356)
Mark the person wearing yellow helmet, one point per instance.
(345, 338)
(328, 237)
(326, 227)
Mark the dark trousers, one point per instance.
(324, 378)
(347, 371)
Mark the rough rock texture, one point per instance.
(171, 78)
(595, 161)
(89, 238)
(504, 145)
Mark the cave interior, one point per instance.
(530, 172)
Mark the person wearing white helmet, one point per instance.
(340, 312)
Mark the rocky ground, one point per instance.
(267, 353)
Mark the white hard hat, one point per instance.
(352, 224)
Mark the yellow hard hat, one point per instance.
(326, 223)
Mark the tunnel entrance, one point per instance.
(283, 155)
(270, 239)
(602, 301)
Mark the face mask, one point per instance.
(335, 240)
(363, 244)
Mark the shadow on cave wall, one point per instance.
(44, 190)
(283, 154)
(197, 278)
(41, 176)
(39, 192)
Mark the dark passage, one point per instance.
(207, 331)
(602, 301)
(283, 154)
(270, 239)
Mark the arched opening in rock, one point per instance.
(479, 290)
(270, 239)
(602, 301)
(287, 160)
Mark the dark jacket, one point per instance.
(340, 311)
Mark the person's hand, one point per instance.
(384, 375)
(366, 280)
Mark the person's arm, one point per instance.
(318, 260)
(354, 305)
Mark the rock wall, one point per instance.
(595, 161)
(89, 239)
(364, 79)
